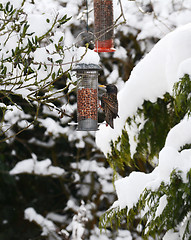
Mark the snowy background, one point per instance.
(55, 181)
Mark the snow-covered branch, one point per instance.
(32, 166)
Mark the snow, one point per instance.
(78, 223)
(167, 14)
(171, 235)
(16, 4)
(93, 166)
(180, 134)
(38, 29)
(87, 56)
(162, 205)
(15, 113)
(133, 185)
(46, 225)
(126, 235)
(184, 68)
(169, 159)
(40, 55)
(169, 60)
(149, 83)
(25, 124)
(40, 17)
(105, 174)
(152, 77)
(113, 75)
(52, 127)
(56, 217)
(2, 105)
(32, 166)
(37, 142)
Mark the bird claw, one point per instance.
(100, 107)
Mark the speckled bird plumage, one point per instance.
(109, 104)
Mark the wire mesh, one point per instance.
(103, 25)
(87, 96)
(87, 100)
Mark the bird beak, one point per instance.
(103, 86)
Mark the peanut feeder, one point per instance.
(103, 25)
(87, 96)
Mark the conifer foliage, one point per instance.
(164, 209)
(45, 168)
(54, 182)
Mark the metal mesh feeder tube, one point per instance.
(87, 96)
(103, 25)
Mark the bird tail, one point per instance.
(109, 120)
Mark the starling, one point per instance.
(109, 103)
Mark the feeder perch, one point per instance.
(103, 25)
(87, 96)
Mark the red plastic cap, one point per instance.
(104, 46)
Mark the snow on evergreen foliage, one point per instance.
(155, 197)
(47, 168)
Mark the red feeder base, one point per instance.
(104, 46)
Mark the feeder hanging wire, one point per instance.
(87, 15)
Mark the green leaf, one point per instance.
(53, 75)
(61, 39)
(25, 27)
(64, 19)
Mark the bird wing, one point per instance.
(110, 102)
(108, 117)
